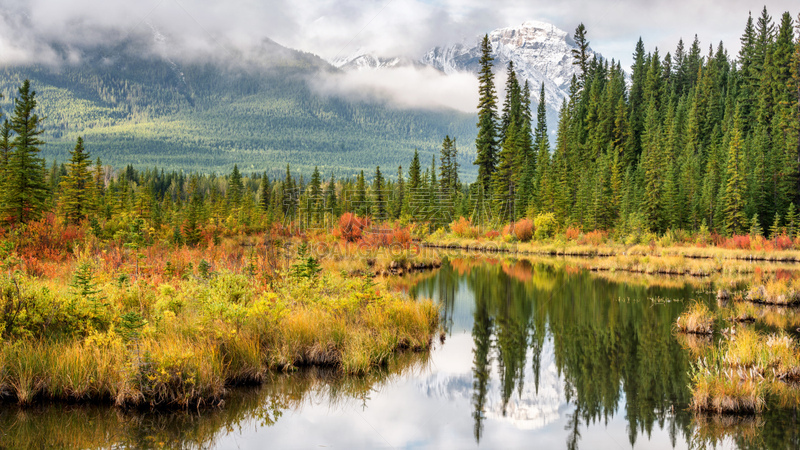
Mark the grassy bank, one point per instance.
(601, 245)
(177, 328)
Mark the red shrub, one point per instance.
(491, 234)
(783, 242)
(384, 236)
(50, 238)
(351, 226)
(741, 242)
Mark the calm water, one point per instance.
(535, 356)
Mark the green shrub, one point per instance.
(546, 225)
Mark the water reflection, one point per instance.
(247, 408)
(612, 347)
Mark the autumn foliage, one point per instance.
(351, 227)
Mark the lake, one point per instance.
(532, 355)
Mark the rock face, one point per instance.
(541, 53)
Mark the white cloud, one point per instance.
(387, 27)
(406, 87)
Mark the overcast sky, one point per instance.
(387, 27)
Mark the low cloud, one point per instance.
(405, 87)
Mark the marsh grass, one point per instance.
(697, 319)
(775, 292)
(199, 336)
(745, 371)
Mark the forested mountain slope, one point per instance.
(144, 104)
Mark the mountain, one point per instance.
(541, 53)
(361, 59)
(147, 102)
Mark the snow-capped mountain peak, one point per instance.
(541, 52)
(362, 59)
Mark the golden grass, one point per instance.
(775, 292)
(200, 336)
(696, 319)
(741, 373)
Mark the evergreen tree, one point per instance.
(361, 204)
(379, 196)
(580, 55)
(316, 201)
(5, 158)
(235, 188)
(652, 166)
(26, 188)
(755, 227)
(400, 194)
(191, 226)
(735, 219)
(504, 183)
(511, 104)
(486, 142)
(414, 185)
(331, 202)
(775, 229)
(266, 192)
(791, 221)
(448, 170)
(77, 185)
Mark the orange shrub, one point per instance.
(351, 226)
(595, 238)
(524, 230)
(573, 233)
(521, 229)
(491, 234)
(460, 227)
(401, 236)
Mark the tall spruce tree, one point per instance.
(331, 202)
(580, 55)
(266, 192)
(235, 188)
(26, 188)
(77, 185)
(379, 196)
(5, 157)
(735, 219)
(486, 141)
(361, 203)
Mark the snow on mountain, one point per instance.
(540, 52)
(361, 59)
